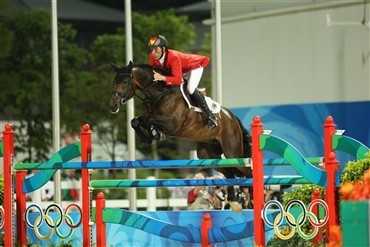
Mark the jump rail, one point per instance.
(260, 142)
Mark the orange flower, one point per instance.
(358, 190)
(346, 189)
(335, 237)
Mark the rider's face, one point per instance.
(157, 52)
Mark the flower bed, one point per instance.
(355, 212)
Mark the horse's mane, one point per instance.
(151, 68)
(148, 69)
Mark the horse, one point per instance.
(166, 112)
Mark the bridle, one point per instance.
(121, 97)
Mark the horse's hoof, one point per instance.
(162, 137)
(236, 207)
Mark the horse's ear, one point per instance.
(115, 67)
(130, 65)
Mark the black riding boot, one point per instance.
(201, 102)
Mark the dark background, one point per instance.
(146, 5)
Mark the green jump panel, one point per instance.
(355, 216)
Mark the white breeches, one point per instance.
(194, 79)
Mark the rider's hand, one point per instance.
(158, 77)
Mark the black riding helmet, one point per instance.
(157, 40)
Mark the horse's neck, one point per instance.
(151, 89)
(159, 91)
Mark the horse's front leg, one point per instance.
(137, 124)
(150, 124)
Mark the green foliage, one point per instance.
(206, 49)
(5, 38)
(178, 31)
(295, 241)
(303, 193)
(25, 83)
(65, 244)
(108, 48)
(2, 190)
(27, 76)
(61, 244)
(355, 169)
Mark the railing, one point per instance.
(150, 203)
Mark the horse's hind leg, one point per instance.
(214, 151)
(207, 150)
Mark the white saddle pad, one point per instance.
(214, 106)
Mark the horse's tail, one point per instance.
(247, 147)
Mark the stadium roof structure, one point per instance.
(77, 10)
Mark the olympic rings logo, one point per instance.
(49, 221)
(301, 219)
(2, 215)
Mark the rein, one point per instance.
(155, 99)
(145, 91)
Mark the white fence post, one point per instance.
(151, 196)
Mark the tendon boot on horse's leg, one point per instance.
(156, 134)
(198, 97)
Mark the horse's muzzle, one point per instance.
(114, 109)
(115, 112)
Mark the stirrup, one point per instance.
(212, 123)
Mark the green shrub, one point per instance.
(61, 244)
(355, 169)
(295, 241)
(303, 193)
(2, 190)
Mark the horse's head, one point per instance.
(123, 89)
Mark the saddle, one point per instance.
(213, 105)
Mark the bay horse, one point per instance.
(166, 112)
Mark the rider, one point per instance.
(178, 63)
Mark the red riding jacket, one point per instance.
(177, 63)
